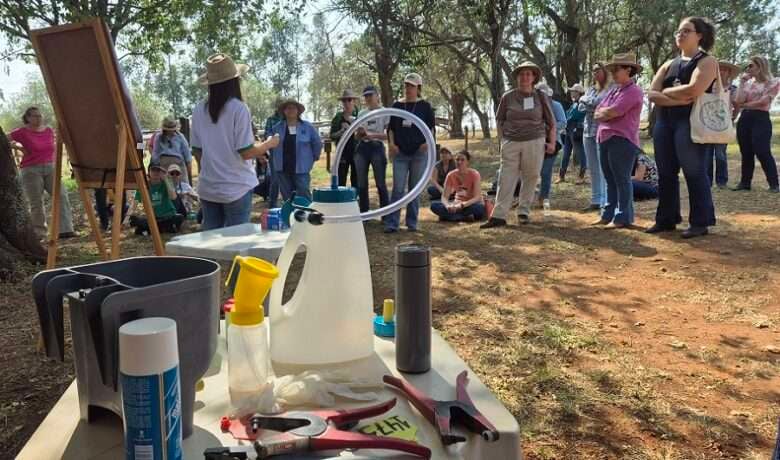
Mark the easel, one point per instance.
(90, 42)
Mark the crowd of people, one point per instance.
(599, 132)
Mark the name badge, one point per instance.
(406, 123)
(293, 130)
(528, 103)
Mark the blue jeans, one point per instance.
(674, 150)
(477, 210)
(298, 183)
(644, 190)
(371, 154)
(720, 173)
(618, 155)
(218, 215)
(273, 186)
(598, 188)
(545, 184)
(434, 193)
(407, 172)
(570, 145)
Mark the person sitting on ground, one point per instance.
(645, 178)
(162, 195)
(464, 184)
(171, 147)
(185, 194)
(443, 167)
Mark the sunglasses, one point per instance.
(175, 173)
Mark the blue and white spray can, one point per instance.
(151, 394)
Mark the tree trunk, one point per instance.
(457, 104)
(17, 237)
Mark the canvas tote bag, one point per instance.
(711, 118)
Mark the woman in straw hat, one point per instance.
(675, 87)
(618, 138)
(719, 173)
(588, 103)
(757, 90)
(527, 130)
(299, 148)
(223, 142)
(171, 148)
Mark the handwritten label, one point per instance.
(392, 427)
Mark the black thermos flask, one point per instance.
(413, 308)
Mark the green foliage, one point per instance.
(149, 107)
(280, 54)
(32, 94)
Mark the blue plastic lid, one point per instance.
(383, 329)
(334, 195)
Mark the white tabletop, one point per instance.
(226, 243)
(62, 435)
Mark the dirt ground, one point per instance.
(605, 344)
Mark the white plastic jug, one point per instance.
(329, 317)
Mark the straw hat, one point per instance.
(170, 124)
(577, 88)
(286, 102)
(348, 94)
(531, 66)
(221, 68)
(732, 68)
(626, 59)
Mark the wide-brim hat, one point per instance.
(529, 66)
(348, 94)
(221, 68)
(283, 105)
(170, 124)
(624, 59)
(732, 68)
(577, 88)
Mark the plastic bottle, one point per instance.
(546, 207)
(248, 357)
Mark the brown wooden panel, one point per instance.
(88, 95)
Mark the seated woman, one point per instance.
(645, 178)
(464, 183)
(439, 174)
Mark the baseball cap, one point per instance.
(370, 89)
(174, 167)
(414, 79)
(155, 165)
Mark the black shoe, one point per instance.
(693, 232)
(66, 235)
(591, 208)
(523, 219)
(741, 187)
(774, 189)
(411, 229)
(660, 228)
(390, 230)
(493, 222)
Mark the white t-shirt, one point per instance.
(377, 125)
(224, 176)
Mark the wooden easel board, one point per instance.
(86, 88)
(96, 123)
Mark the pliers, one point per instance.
(441, 413)
(316, 431)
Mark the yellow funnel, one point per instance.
(254, 281)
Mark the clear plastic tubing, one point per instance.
(413, 193)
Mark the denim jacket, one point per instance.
(588, 104)
(308, 146)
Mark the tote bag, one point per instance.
(711, 118)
